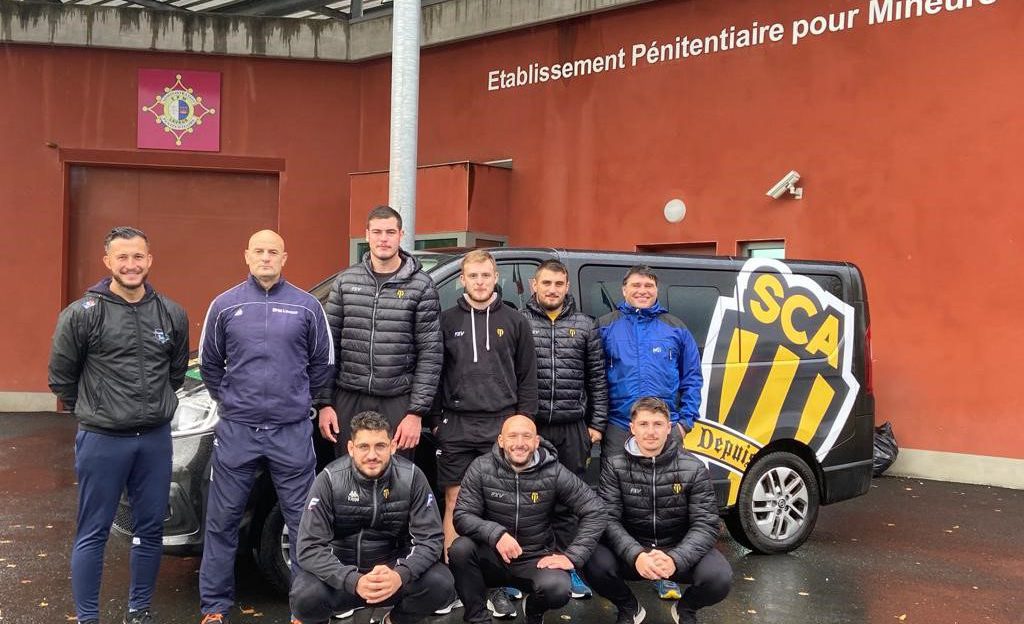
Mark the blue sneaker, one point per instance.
(579, 588)
(668, 590)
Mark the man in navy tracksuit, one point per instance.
(119, 353)
(266, 350)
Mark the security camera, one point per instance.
(787, 183)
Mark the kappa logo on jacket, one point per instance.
(161, 336)
(353, 496)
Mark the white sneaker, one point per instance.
(448, 608)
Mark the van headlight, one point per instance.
(196, 413)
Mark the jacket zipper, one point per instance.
(516, 529)
(373, 331)
(144, 382)
(551, 408)
(266, 338)
(654, 499)
(373, 521)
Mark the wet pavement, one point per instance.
(908, 551)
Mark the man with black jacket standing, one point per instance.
(370, 535)
(266, 350)
(572, 388)
(119, 353)
(384, 315)
(663, 521)
(490, 372)
(505, 516)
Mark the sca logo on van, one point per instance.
(777, 365)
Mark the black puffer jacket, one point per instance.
(495, 500)
(571, 384)
(666, 502)
(117, 364)
(352, 523)
(388, 337)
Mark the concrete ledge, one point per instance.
(27, 402)
(329, 40)
(959, 467)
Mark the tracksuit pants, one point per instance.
(479, 566)
(709, 580)
(313, 601)
(106, 465)
(240, 454)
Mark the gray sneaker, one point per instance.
(448, 608)
(499, 604)
(142, 616)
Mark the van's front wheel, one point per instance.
(777, 506)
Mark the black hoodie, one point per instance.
(490, 367)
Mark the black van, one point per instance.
(787, 413)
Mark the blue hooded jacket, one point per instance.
(265, 353)
(649, 352)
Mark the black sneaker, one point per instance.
(631, 616)
(142, 616)
(88, 622)
(683, 614)
(499, 605)
(535, 619)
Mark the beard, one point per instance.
(142, 283)
(551, 307)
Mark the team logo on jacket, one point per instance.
(238, 312)
(784, 352)
(572, 332)
(160, 336)
(535, 497)
(386, 493)
(677, 488)
(88, 303)
(459, 334)
(399, 293)
(313, 502)
(500, 332)
(353, 496)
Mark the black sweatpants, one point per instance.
(348, 403)
(571, 440)
(313, 601)
(479, 566)
(709, 581)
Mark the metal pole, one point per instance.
(405, 94)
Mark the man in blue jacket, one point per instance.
(266, 350)
(648, 352)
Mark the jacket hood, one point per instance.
(643, 313)
(544, 455)
(664, 457)
(568, 307)
(102, 288)
(410, 264)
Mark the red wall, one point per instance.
(908, 136)
(304, 113)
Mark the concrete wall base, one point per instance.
(27, 402)
(960, 467)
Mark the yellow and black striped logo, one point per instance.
(777, 365)
(535, 497)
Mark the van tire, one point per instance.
(780, 492)
(270, 555)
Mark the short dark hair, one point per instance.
(383, 212)
(555, 266)
(650, 404)
(370, 421)
(642, 270)
(126, 232)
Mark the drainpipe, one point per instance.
(405, 93)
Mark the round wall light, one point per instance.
(675, 210)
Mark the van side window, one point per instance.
(513, 282)
(690, 294)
